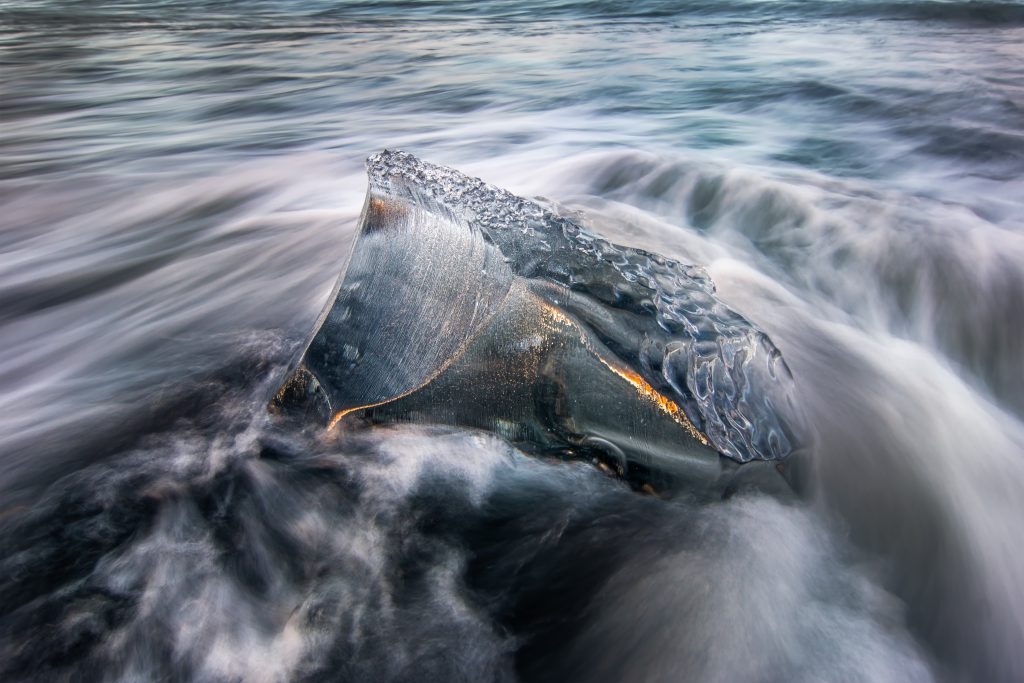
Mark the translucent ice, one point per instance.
(465, 305)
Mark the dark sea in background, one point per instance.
(180, 183)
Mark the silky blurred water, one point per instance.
(180, 183)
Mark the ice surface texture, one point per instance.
(464, 304)
(659, 316)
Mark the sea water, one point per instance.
(180, 184)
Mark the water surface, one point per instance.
(180, 182)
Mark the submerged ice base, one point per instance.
(465, 305)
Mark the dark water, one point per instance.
(180, 181)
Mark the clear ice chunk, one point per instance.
(465, 305)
